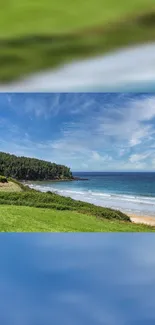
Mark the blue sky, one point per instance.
(77, 279)
(85, 131)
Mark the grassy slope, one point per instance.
(26, 210)
(30, 219)
(36, 199)
(54, 21)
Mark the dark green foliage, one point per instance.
(23, 168)
(51, 200)
(3, 179)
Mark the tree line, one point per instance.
(24, 168)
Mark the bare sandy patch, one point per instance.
(147, 220)
(9, 187)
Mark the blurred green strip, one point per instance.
(46, 17)
(20, 56)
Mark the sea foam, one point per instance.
(141, 205)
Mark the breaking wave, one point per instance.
(129, 203)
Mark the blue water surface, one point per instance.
(129, 191)
(130, 183)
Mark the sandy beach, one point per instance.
(147, 220)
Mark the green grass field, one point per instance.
(29, 219)
(38, 35)
(26, 210)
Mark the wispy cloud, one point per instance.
(100, 131)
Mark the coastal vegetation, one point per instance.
(3, 179)
(23, 168)
(50, 200)
(39, 35)
(28, 210)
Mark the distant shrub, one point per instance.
(3, 179)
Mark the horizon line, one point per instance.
(112, 171)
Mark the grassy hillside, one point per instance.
(54, 201)
(37, 35)
(24, 209)
(29, 219)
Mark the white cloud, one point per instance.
(96, 156)
(130, 128)
(136, 158)
(103, 132)
(35, 105)
(100, 135)
(139, 134)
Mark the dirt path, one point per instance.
(9, 187)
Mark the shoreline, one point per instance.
(55, 180)
(141, 219)
(138, 219)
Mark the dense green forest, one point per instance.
(23, 168)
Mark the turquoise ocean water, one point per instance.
(129, 192)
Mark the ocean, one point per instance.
(130, 192)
